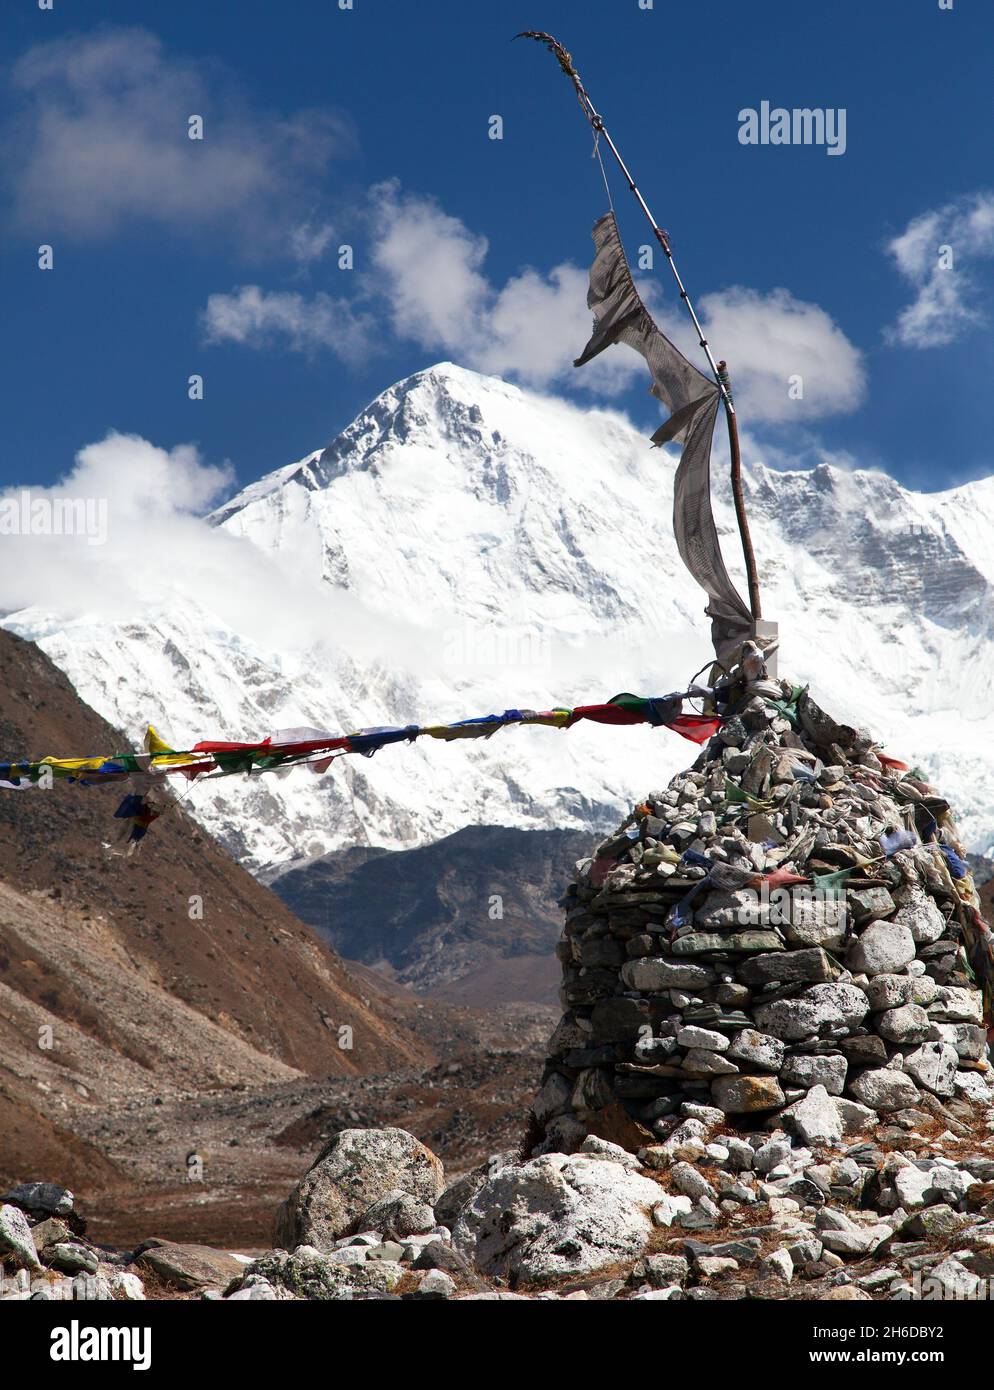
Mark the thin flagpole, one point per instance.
(718, 369)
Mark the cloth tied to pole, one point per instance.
(693, 401)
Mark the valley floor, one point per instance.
(255, 1142)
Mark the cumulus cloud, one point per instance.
(136, 508)
(100, 142)
(789, 361)
(430, 273)
(428, 278)
(931, 254)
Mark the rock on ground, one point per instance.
(556, 1215)
(355, 1169)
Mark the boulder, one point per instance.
(356, 1168)
(41, 1198)
(933, 1065)
(868, 904)
(555, 1216)
(804, 1016)
(969, 1040)
(459, 1193)
(699, 1062)
(16, 1239)
(889, 991)
(816, 920)
(794, 967)
(827, 1070)
(188, 1267)
(760, 1050)
(127, 1286)
(905, 1025)
(398, 1214)
(919, 913)
(955, 1005)
(693, 1037)
(815, 1119)
(654, 976)
(854, 1116)
(307, 1273)
(71, 1257)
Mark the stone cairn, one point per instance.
(789, 926)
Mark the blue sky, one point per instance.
(370, 127)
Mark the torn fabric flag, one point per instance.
(693, 400)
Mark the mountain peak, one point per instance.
(444, 395)
(467, 545)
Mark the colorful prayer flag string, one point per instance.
(316, 748)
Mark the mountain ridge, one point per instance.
(489, 547)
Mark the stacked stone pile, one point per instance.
(786, 932)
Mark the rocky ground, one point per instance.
(902, 1210)
(252, 1142)
(134, 1035)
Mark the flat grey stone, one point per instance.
(759, 1050)
(829, 1071)
(905, 1025)
(884, 1089)
(652, 975)
(933, 1065)
(882, 948)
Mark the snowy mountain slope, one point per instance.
(466, 546)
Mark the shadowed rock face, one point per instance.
(783, 933)
(460, 910)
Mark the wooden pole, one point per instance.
(738, 497)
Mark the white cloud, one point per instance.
(947, 299)
(309, 242)
(157, 553)
(250, 315)
(100, 141)
(147, 500)
(428, 276)
(768, 341)
(428, 266)
(430, 271)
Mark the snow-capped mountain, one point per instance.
(467, 546)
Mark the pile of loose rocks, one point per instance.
(704, 1214)
(782, 934)
(44, 1252)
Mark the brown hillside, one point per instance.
(140, 998)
